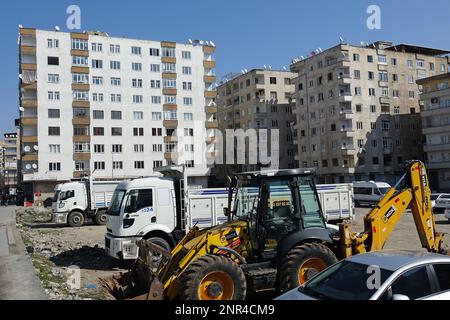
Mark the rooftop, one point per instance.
(436, 77)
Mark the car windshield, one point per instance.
(383, 190)
(116, 202)
(346, 281)
(434, 196)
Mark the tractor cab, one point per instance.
(280, 207)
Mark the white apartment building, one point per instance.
(358, 110)
(113, 107)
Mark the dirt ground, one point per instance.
(54, 248)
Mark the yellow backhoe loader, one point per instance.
(276, 237)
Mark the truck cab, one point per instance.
(67, 198)
(141, 208)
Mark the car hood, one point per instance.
(294, 294)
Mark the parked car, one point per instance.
(369, 193)
(442, 202)
(402, 275)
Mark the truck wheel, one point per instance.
(302, 263)
(212, 277)
(101, 218)
(75, 219)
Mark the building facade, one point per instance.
(258, 99)
(358, 112)
(112, 107)
(435, 115)
(10, 156)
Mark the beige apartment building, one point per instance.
(358, 111)
(435, 115)
(258, 99)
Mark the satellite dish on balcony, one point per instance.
(20, 26)
(28, 166)
(27, 148)
(20, 76)
(57, 28)
(190, 41)
(34, 166)
(212, 43)
(22, 109)
(35, 147)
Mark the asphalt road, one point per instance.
(18, 280)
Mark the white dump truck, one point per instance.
(76, 202)
(158, 209)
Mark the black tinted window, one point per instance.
(443, 274)
(413, 283)
(365, 191)
(139, 199)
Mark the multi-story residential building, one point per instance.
(358, 109)
(435, 115)
(2, 182)
(10, 157)
(112, 107)
(258, 99)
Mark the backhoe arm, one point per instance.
(381, 220)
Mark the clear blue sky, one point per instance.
(248, 33)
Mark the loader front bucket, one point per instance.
(141, 282)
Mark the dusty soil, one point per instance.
(56, 249)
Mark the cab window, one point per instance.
(443, 276)
(139, 199)
(64, 195)
(415, 284)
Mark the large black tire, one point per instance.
(302, 263)
(101, 218)
(75, 219)
(160, 242)
(212, 277)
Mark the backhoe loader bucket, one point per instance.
(141, 282)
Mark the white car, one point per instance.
(442, 202)
(402, 275)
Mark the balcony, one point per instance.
(84, 70)
(211, 140)
(81, 121)
(168, 139)
(28, 66)
(170, 124)
(169, 75)
(29, 121)
(211, 109)
(212, 155)
(81, 104)
(437, 147)
(168, 60)
(81, 86)
(30, 157)
(171, 156)
(170, 91)
(209, 64)
(212, 125)
(81, 138)
(85, 156)
(29, 139)
(384, 100)
(170, 107)
(209, 49)
(29, 103)
(209, 78)
(345, 97)
(210, 94)
(29, 86)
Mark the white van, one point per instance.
(369, 193)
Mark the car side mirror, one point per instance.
(400, 297)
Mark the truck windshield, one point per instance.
(55, 197)
(116, 202)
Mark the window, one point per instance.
(55, 148)
(116, 131)
(54, 166)
(116, 115)
(169, 67)
(188, 132)
(79, 44)
(382, 59)
(80, 78)
(420, 64)
(357, 74)
(442, 67)
(170, 99)
(98, 114)
(273, 80)
(395, 77)
(114, 48)
(355, 57)
(375, 160)
(139, 164)
(157, 148)
(138, 148)
(154, 68)
(53, 78)
(414, 284)
(385, 125)
(81, 147)
(358, 108)
(409, 63)
(359, 125)
(53, 61)
(97, 80)
(410, 79)
(369, 59)
(168, 52)
(411, 94)
(371, 75)
(384, 91)
(156, 132)
(372, 92)
(138, 132)
(114, 65)
(189, 147)
(155, 84)
(373, 108)
(99, 165)
(116, 82)
(169, 84)
(154, 52)
(443, 275)
(116, 148)
(138, 115)
(373, 125)
(136, 50)
(80, 95)
(80, 61)
(393, 61)
(189, 163)
(52, 43)
(187, 70)
(80, 131)
(186, 55)
(117, 165)
(187, 86)
(358, 91)
(99, 148)
(156, 100)
(136, 83)
(96, 47)
(99, 131)
(383, 76)
(156, 116)
(54, 113)
(170, 115)
(97, 64)
(54, 131)
(136, 66)
(138, 99)
(157, 164)
(396, 110)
